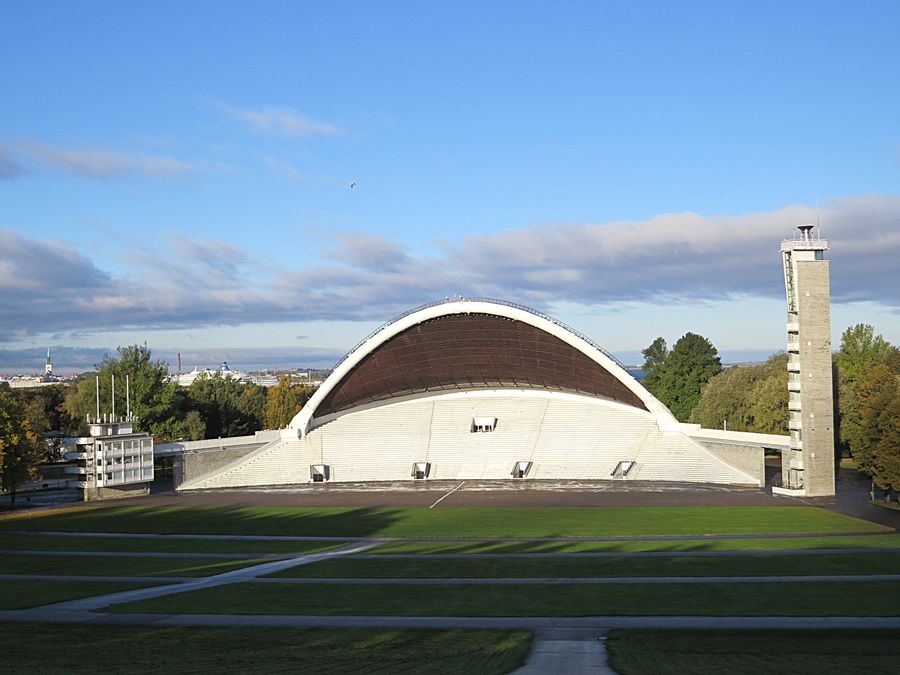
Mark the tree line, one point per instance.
(691, 381)
(211, 407)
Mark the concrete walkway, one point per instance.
(597, 624)
(235, 576)
(566, 651)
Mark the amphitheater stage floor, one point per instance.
(461, 493)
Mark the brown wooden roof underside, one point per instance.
(472, 351)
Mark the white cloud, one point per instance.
(369, 252)
(280, 121)
(671, 258)
(10, 169)
(93, 162)
(286, 169)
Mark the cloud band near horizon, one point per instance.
(47, 286)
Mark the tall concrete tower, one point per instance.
(807, 469)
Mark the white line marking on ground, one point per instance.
(443, 497)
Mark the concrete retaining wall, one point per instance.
(748, 458)
(192, 464)
(117, 492)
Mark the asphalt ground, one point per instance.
(852, 496)
(467, 493)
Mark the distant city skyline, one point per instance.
(79, 360)
(266, 187)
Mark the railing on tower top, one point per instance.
(493, 301)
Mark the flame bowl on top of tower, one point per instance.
(805, 240)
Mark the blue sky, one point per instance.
(179, 173)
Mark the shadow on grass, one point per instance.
(54, 648)
(458, 522)
(251, 521)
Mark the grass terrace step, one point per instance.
(873, 541)
(18, 541)
(450, 522)
(119, 567)
(751, 565)
(877, 598)
(674, 652)
(59, 648)
(22, 594)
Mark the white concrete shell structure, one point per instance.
(480, 389)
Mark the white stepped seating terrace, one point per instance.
(369, 446)
(674, 454)
(455, 452)
(586, 440)
(564, 436)
(278, 462)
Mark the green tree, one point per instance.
(769, 399)
(886, 455)
(877, 400)
(861, 350)
(750, 398)
(51, 400)
(892, 360)
(227, 406)
(283, 401)
(193, 427)
(691, 363)
(654, 359)
(186, 423)
(151, 391)
(22, 444)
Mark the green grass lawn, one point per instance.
(467, 522)
(675, 652)
(15, 541)
(821, 599)
(51, 648)
(745, 565)
(24, 594)
(120, 567)
(760, 544)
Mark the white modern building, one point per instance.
(113, 460)
(475, 388)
